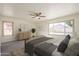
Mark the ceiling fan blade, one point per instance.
(39, 13)
(42, 16)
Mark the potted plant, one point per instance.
(33, 31)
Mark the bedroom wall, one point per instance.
(42, 26)
(26, 25)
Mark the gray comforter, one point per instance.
(30, 46)
(45, 49)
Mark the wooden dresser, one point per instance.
(24, 35)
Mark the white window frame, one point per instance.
(64, 29)
(3, 27)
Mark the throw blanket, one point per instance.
(45, 49)
(30, 45)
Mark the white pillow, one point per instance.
(73, 47)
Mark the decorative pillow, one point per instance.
(63, 45)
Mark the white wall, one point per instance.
(26, 25)
(43, 25)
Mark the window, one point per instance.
(61, 28)
(7, 28)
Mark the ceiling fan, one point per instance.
(37, 15)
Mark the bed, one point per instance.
(46, 46)
(40, 43)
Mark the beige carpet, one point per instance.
(14, 48)
(18, 52)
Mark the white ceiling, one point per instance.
(50, 10)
